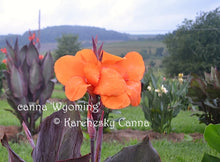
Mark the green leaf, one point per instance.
(209, 158)
(212, 136)
(187, 137)
(154, 82)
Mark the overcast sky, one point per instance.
(131, 16)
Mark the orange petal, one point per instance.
(132, 68)
(75, 88)
(110, 59)
(68, 66)
(111, 83)
(87, 55)
(116, 102)
(92, 73)
(134, 92)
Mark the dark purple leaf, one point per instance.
(142, 152)
(100, 52)
(47, 68)
(13, 157)
(35, 78)
(57, 139)
(84, 158)
(25, 70)
(22, 54)
(17, 83)
(32, 54)
(94, 46)
(16, 46)
(46, 93)
(10, 53)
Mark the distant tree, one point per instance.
(67, 45)
(159, 52)
(144, 54)
(152, 63)
(195, 45)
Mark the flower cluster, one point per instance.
(4, 50)
(180, 77)
(116, 80)
(160, 90)
(33, 38)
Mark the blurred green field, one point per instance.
(147, 48)
(124, 47)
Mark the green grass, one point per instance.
(58, 92)
(186, 123)
(183, 123)
(129, 114)
(23, 150)
(168, 151)
(7, 118)
(182, 151)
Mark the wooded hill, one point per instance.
(49, 35)
(85, 33)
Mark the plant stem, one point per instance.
(92, 143)
(99, 139)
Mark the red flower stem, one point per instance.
(99, 140)
(92, 134)
(92, 145)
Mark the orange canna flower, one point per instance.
(41, 57)
(4, 61)
(37, 40)
(116, 80)
(4, 50)
(32, 37)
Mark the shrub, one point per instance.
(67, 45)
(2, 68)
(205, 94)
(162, 100)
(29, 82)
